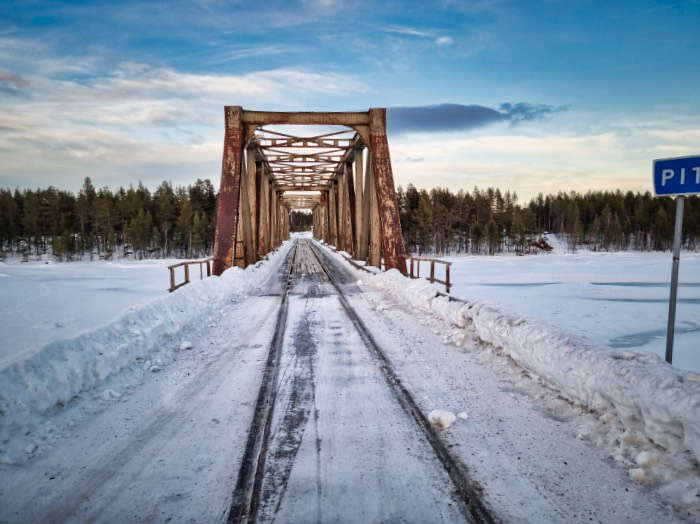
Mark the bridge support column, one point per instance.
(349, 209)
(229, 190)
(274, 205)
(392, 238)
(360, 238)
(323, 216)
(263, 209)
(374, 257)
(332, 212)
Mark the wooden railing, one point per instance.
(414, 263)
(187, 264)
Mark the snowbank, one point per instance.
(44, 382)
(656, 406)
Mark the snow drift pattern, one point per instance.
(649, 396)
(34, 387)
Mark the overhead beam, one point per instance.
(306, 118)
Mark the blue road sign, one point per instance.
(677, 176)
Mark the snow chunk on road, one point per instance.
(186, 344)
(441, 419)
(462, 415)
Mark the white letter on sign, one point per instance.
(697, 174)
(682, 175)
(666, 174)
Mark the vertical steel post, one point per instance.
(677, 236)
(229, 190)
(392, 237)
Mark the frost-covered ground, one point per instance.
(614, 300)
(145, 419)
(41, 302)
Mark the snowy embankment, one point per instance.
(142, 340)
(649, 411)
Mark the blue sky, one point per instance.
(545, 96)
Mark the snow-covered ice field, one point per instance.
(614, 300)
(40, 302)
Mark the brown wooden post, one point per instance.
(208, 268)
(229, 189)
(172, 278)
(432, 271)
(447, 278)
(350, 215)
(187, 272)
(392, 237)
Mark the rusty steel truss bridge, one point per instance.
(344, 177)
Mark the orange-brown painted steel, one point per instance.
(392, 238)
(229, 190)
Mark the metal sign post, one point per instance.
(680, 177)
(677, 233)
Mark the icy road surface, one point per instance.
(341, 448)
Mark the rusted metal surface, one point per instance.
(392, 237)
(206, 262)
(306, 118)
(359, 206)
(375, 230)
(323, 216)
(350, 216)
(229, 189)
(356, 209)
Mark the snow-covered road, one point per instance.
(341, 447)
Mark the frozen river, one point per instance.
(42, 302)
(615, 300)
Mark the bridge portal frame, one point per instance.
(357, 210)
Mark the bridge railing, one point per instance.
(414, 270)
(203, 262)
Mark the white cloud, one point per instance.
(444, 40)
(136, 121)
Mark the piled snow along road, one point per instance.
(649, 411)
(119, 354)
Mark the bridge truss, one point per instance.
(344, 177)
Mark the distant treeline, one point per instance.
(100, 222)
(488, 221)
(180, 221)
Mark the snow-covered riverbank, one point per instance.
(614, 300)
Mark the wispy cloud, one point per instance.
(135, 119)
(441, 40)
